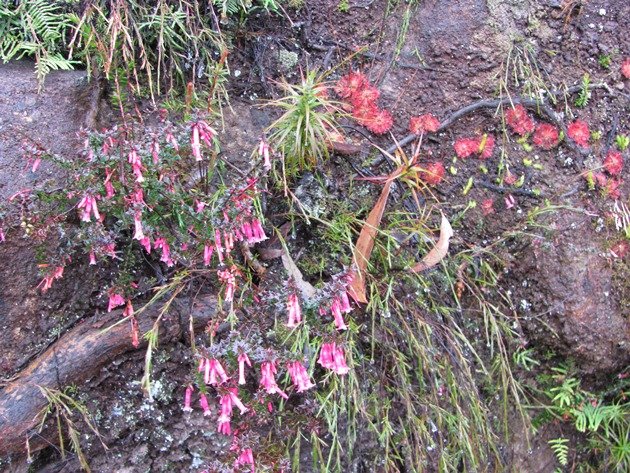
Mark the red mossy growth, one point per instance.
(625, 68)
(509, 178)
(482, 145)
(578, 131)
(464, 147)
(487, 206)
(519, 121)
(433, 173)
(365, 114)
(349, 84)
(612, 188)
(620, 249)
(546, 136)
(380, 123)
(613, 163)
(365, 96)
(426, 123)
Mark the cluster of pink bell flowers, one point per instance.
(214, 374)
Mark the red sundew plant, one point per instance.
(362, 96)
(433, 173)
(483, 146)
(578, 131)
(613, 163)
(519, 120)
(546, 136)
(426, 123)
(349, 84)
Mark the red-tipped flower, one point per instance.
(519, 121)
(426, 123)
(546, 136)
(578, 131)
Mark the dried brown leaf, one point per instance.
(439, 251)
(365, 245)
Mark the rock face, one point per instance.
(28, 320)
(565, 287)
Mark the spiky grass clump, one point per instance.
(302, 133)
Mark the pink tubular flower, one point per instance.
(155, 151)
(128, 311)
(226, 409)
(336, 311)
(46, 283)
(510, 201)
(146, 243)
(207, 254)
(170, 139)
(213, 368)
(195, 144)
(138, 235)
(217, 245)
(135, 333)
(245, 458)
(166, 251)
(109, 187)
(228, 242)
(187, 399)
(228, 277)
(136, 165)
(225, 428)
(578, 131)
(264, 153)
(199, 206)
(268, 381)
(203, 401)
(258, 233)
(115, 300)
(88, 207)
(333, 358)
(625, 68)
(233, 393)
(92, 255)
(242, 360)
(2, 237)
(295, 312)
(299, 376)
(426, 123)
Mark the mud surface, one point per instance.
(568, 290)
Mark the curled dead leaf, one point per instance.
(439, 251)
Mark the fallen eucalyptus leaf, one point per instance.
(439, 251)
